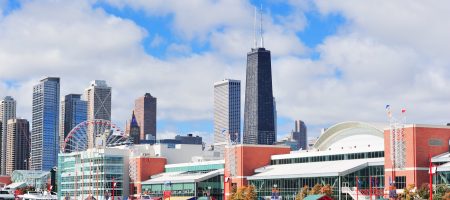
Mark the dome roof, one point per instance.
(351, 134)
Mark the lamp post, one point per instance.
(209, 192)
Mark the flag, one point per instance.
(223, 131)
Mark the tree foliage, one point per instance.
(316, 189)
(250, 193)
(302, 193)
(424, 191)
(327, 190)
(243, 193)
(409, 193)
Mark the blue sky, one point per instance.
(318, 27)
(331, 61)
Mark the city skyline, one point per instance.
(331, 62)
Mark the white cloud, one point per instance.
(394, 54)
(157, 41)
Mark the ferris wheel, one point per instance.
(93, 133)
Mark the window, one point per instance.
(400, 182)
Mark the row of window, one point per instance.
(350, 156)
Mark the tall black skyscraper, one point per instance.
(259, 116)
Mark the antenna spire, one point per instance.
(261, 29)
(254, 30)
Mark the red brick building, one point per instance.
(421, 142)
(247, 159)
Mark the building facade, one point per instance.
(188, 180)
(34, 178)
(98, 173)
(98, 97)
(7, 112)
(299, 134)
(73, 111)
(227, 112)
(18, 145)
(145, 112)
(259, 116)
(45, 124)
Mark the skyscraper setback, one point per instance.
(73, 112)
(7, 111)
(98, 97)
(227, 112)
(45, 120)
(145, 113)
(17, 148)
(259, 116)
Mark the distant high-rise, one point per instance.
(7, 111)
(17, 148)
(259, 116)
(73, 112)
(45, 123)
(299, 134)
(145, 112)
(98, 97)
(227, 111)
(133, 130)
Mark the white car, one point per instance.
(6, 195)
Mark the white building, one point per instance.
(98, 97)
(227, 112)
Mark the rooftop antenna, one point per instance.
(254, 30)
(261, 29)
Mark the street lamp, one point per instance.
(209, 192)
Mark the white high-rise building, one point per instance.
(98, 97)
(227, 112)
(7, 111)
(45, 123)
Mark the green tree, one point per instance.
(441, 191)
(424, 191)
(250, 193)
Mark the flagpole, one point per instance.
(370, 187)
(113, 187)
(76, 177)
(357, 184)
(431, 178)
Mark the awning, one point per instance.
(16, 185)
(182, 177)
(315, 169)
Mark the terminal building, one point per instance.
(354, 158)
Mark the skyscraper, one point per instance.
(132, 130)
(73, 112)
(227, 111)
(7, 111)
(145, 112)
(44, 131)
(299, 134)
(259, 119)
(17, 148)
(98, 96)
